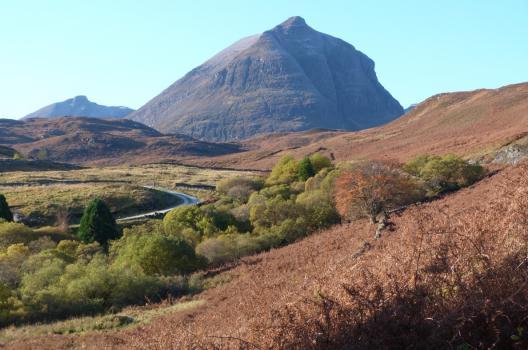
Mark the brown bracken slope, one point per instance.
(473, 123)
(450, 273)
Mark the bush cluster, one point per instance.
(47, 274)
(44, 279)
(255, 214)
(442, 174)
(370, 188)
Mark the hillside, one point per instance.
(332, 289)
(80, 106)
(482, 124)
(98, 141)
(472, 123)
(289, 78)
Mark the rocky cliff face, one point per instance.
(80, 106)
(289, 78)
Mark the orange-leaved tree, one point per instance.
(373, 187)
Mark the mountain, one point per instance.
(289, 78)
(80, 106)
(95, 141)
(410, 108)
(487, 124)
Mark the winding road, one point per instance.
(185, 200)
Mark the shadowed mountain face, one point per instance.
(79, 106)
(289, 78)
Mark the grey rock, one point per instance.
(290, 78)
(511, 154)
(80, 106)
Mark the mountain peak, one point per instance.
(295, 21)
(80, 99)
(289, 78)
(80, 106)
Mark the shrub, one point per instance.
(373, 187)
(194, 223)
(58, 288)
(68, 247)
(5, 212)
(319, 162)
(442, 174)
(319, 210)
(229, 247)
(241, 187)
(283, 191)
(180, 218)
(273, 211)
(97, 224)
(5, 303)
(156, 254)
(10, 263)
(285, 171)
(11, 233)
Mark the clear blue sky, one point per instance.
(121, 52)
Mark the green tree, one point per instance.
(5, 212)
(284, 172)
(320, 162)
(305, 169)
(156, 254)
(446, 173)
(97, 224)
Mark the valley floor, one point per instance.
(341, 288)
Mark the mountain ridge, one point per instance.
(95, 141)
(79, 106)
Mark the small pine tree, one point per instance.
(305, 170)
(97, 223)
(5, 212)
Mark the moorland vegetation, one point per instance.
(48, 273)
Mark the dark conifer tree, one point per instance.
(5, 212)
(306, 169)
(97, 223)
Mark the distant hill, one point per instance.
(92, 141)
(410, 108)
(7, 152)
(489, 125)
(289, 78)
(80, 106)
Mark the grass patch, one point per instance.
(46, 202)
(130, 317)
(44, 194)
(156, 175)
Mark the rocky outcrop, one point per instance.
(511, 154)
(80, 106)
(289, 78)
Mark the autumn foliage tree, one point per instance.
(372, 187)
